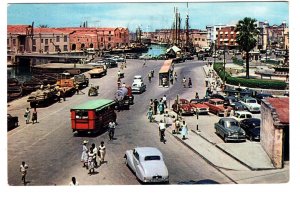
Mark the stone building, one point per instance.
(274, 134)
(227, 37)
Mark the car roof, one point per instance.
(243, 112)
(138, 76)
(145, 151)
(216, 99)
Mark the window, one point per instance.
(56, 48)
(33, 42)
(33, 48)
(46, 49)
(101, 39)
(14, 42)
(109, 38)
(42, 40)
(7, 41)
(65, 38)
(57, 39)
(80, 114)
(50, 40)
(46, 42)
(109, 32)
(136, 155)
(150, 158)
(65, 47)
(203, 39)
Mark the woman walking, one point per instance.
(102, 151)
(84, 155)
(150, 114)
(184, 130)
(34, 116)
(91, 166)
(27, 115)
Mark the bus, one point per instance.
(166, 73)
(93, 116)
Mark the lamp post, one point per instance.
(224, 62)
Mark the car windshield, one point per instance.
(152, 157)
(229, 124)
(251, 101)
(219, 103)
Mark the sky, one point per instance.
(149, 16)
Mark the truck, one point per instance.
(42, 97)
(81, 80)
(99, 71)
(124, 97)
(67, 86)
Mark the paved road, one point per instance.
(53, 152)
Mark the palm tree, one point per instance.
(247, 37)
(43, 26)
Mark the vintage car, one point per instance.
(12, 122)
(252, 128)
(237, 106)
(216, 106)
(138, 87)
(137, 78)
(183, 107)
(241, 115)
(229, 100)
(229, 130)
(251, 104)
(148, 164)
(261, 96)
(199, 106)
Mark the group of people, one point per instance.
(157, 106)
(150, 75)
(89, 156)
(184, 82)
(27, 116)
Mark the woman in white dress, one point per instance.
(184, 130)
(102, 151)
(84, 155)
(91, 166)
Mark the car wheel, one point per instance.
(225, 139)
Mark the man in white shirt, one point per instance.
(165, 101)
(111, 131)
(162, 128)
(23, 170)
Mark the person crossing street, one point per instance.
(111, 130)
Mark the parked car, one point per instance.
(237, 106)
(199, 106)
(216, 106)
(261, 96)
(252, 128)
(241, 115)
(217, 96)
(251, 104)
(247, 93)
(138, 87)
(229, 130)
(147, 163)
(12, 121)
(183, 107)
(229, 100)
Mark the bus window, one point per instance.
(80, 114)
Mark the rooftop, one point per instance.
(281, 106)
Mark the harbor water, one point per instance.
(155, 50)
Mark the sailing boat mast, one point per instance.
(187, 33)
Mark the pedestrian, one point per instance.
(190, 82)
(64, 94)
(95, 154)
(177, 126)
(58, 94)
(102, 152)
(91, 166)
(225, 111)
(150, 114)
(197, 95)
(23, 170)
(151, 104)
(183, 81)
(206, 81)
(152, 73)
(77, 88)
(123, 85)
(161, 129)
(155, 106)
(161, 107)
(165, 101)
(84, 155)
(27, 115)
(168, 119)
(73, 182)
(119, 74)
(175, 76)
(111, 131)
(231, 113)
(174, 127)
(149, 77)
(34, 116)
(184, 130)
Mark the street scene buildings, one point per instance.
(185, 102)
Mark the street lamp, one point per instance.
(224, 62)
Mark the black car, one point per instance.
(229, 100)
(261, 96)
(237, 106)
(12, 122)
(217, 96)
(252, 128)
(247, 93)
(111, 63)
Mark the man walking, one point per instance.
(161, 129)
(165, 101)
(34, 116)
(94, 154)
(111, 131)
(155, 104)
(23, 170)
(102, 152)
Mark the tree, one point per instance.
(247, 37)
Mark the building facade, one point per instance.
(26, 39)
(226, 38)
(274, 134)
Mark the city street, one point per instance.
(53, 152)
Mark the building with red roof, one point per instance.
(274, 133)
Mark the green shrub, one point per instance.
(251, 83)
(237, 61)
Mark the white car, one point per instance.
(137, 79)
(138, 87)
(251, 104)
(241, 115)
(148, 164)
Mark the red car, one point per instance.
(216, 106)
(183, 107)
(199, 106)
